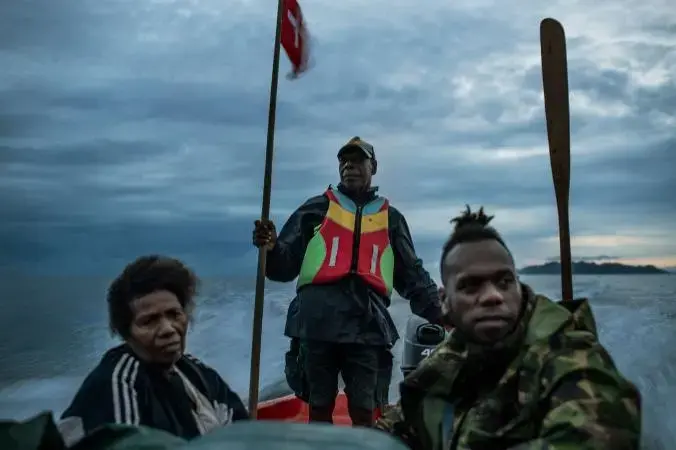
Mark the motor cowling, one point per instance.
(420, 339)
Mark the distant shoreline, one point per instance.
(587, 268)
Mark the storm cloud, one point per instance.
(130, 127)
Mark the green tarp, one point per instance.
(40, 433)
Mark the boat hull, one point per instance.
(292, 409)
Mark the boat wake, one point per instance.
(635, 315)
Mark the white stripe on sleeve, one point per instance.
(125, 399)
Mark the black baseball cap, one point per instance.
(358, 143)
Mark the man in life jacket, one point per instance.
(148, 380)
(519, 371)
(349, 249)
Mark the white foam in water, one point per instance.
(25, 398)
(222, 335)
(635, 316)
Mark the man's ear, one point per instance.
(442, 299)
(445, 308)
(374, 166)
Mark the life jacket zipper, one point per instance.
(356, 239)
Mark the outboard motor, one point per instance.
(420, 339)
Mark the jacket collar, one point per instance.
(366, 197)
(441, 373)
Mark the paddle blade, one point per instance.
(557, 113)
(557, 110)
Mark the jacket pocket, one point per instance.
(294, 370)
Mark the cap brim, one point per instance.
(358, 147)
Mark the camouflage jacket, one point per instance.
(562, 391)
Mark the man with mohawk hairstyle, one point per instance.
(519, 371)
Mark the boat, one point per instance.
(420, 338)
(41, 433)
(290, 408)
(286, 417)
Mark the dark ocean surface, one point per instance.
(53, 330)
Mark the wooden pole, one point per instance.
(557, 113)
(254, 375)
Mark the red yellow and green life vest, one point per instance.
(350, 240)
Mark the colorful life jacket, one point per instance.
(350, 240)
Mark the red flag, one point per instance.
(295, 38)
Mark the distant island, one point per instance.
(587, 268)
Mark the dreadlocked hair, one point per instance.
(470, 227)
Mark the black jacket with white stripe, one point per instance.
(188, 402)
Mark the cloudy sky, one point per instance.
(133, 126)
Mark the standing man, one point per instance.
(349, 249)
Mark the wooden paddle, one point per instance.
(557, 113)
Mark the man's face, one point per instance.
(355, 170)
(481, 291)
(158, 328)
